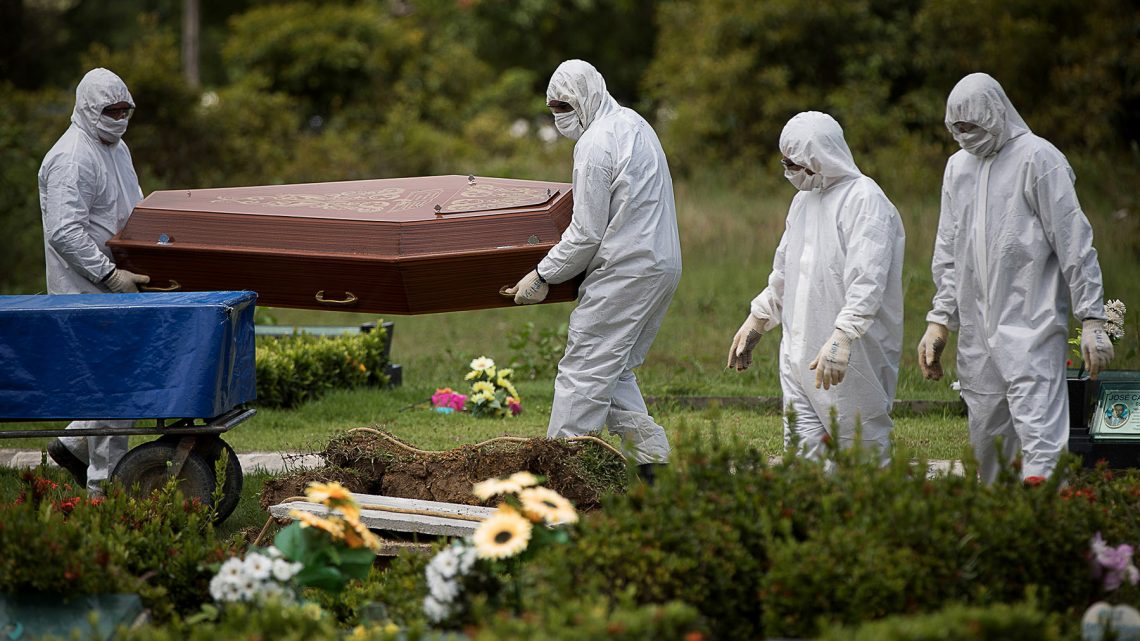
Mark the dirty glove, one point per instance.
(531, 289)
(830, 364)
(746, 339)
(122, 281)
(1096, 349)
(930, 350)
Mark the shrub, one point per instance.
(299, 368)
(54, 542)
(1019, 622)
(762, 550)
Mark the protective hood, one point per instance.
(99, 89)
(979, 99)
(815, 140)
(579, 84)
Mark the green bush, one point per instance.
(1018, 622)
(54, 540)
(763, 550)
(299, 368)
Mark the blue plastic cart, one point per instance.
(180, 364)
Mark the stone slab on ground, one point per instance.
(389, 513)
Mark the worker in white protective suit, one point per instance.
(88, 188)
(623, 235)
(1012, 247)
(836, 286)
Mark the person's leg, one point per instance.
(989, 420)
(875, 437)
(105, 453)
(70, 452)
(629, 416)
(642, 438)
(1040, 414)
(808, 433)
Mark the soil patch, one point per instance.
(372, 461)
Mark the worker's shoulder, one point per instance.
(72, 155)
(1037, 151)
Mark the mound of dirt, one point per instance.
(372, 461)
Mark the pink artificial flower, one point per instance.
(514, 405)
(445, 397)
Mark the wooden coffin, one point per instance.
(393, 246)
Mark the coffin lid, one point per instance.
(389, 199)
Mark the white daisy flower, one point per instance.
(258, 566)
(444, 590)
(284, 570)
(273, 553)
(233, 568)
(482, 363)
(446, 562)
(435, 610)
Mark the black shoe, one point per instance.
(68, 461)
(648, 472)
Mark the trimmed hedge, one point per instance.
(294, 369)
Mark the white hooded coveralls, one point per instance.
(838, 266)
(623, 235)
(1012, 247)
(87, 191)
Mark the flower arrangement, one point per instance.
(1114, 311)
(1112, 565)
(492, 392)
(313, 551)
(528, 518)
(331, 549)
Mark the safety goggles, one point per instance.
(119, 113)
(790, 165)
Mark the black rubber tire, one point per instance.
(146, 466)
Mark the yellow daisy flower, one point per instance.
(322, 492)
(335, 528)
(334, 495)
(359, 536)
(503, 535)
(494, 487)
(505, 384)
(506, 372)
(472, 374)
(547, 505)
(523, 479)
(483, 387)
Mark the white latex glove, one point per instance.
(122, 281)
(830, 364)
(530, 290)
(746, 340)
(1096, 349)
(930, 350)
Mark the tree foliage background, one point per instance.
(342, 90)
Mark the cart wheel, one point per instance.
(231, 486)
(147, 464)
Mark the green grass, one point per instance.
(729, 233)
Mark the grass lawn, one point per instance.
(729, 233)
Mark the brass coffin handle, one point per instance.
(503, 291)
(349, 299)
(174, 286)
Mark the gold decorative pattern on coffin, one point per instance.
(392, 199)
(485, 196)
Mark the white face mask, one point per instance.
(569, 125)
(802, 181)
(111, 130)
(978, 142)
